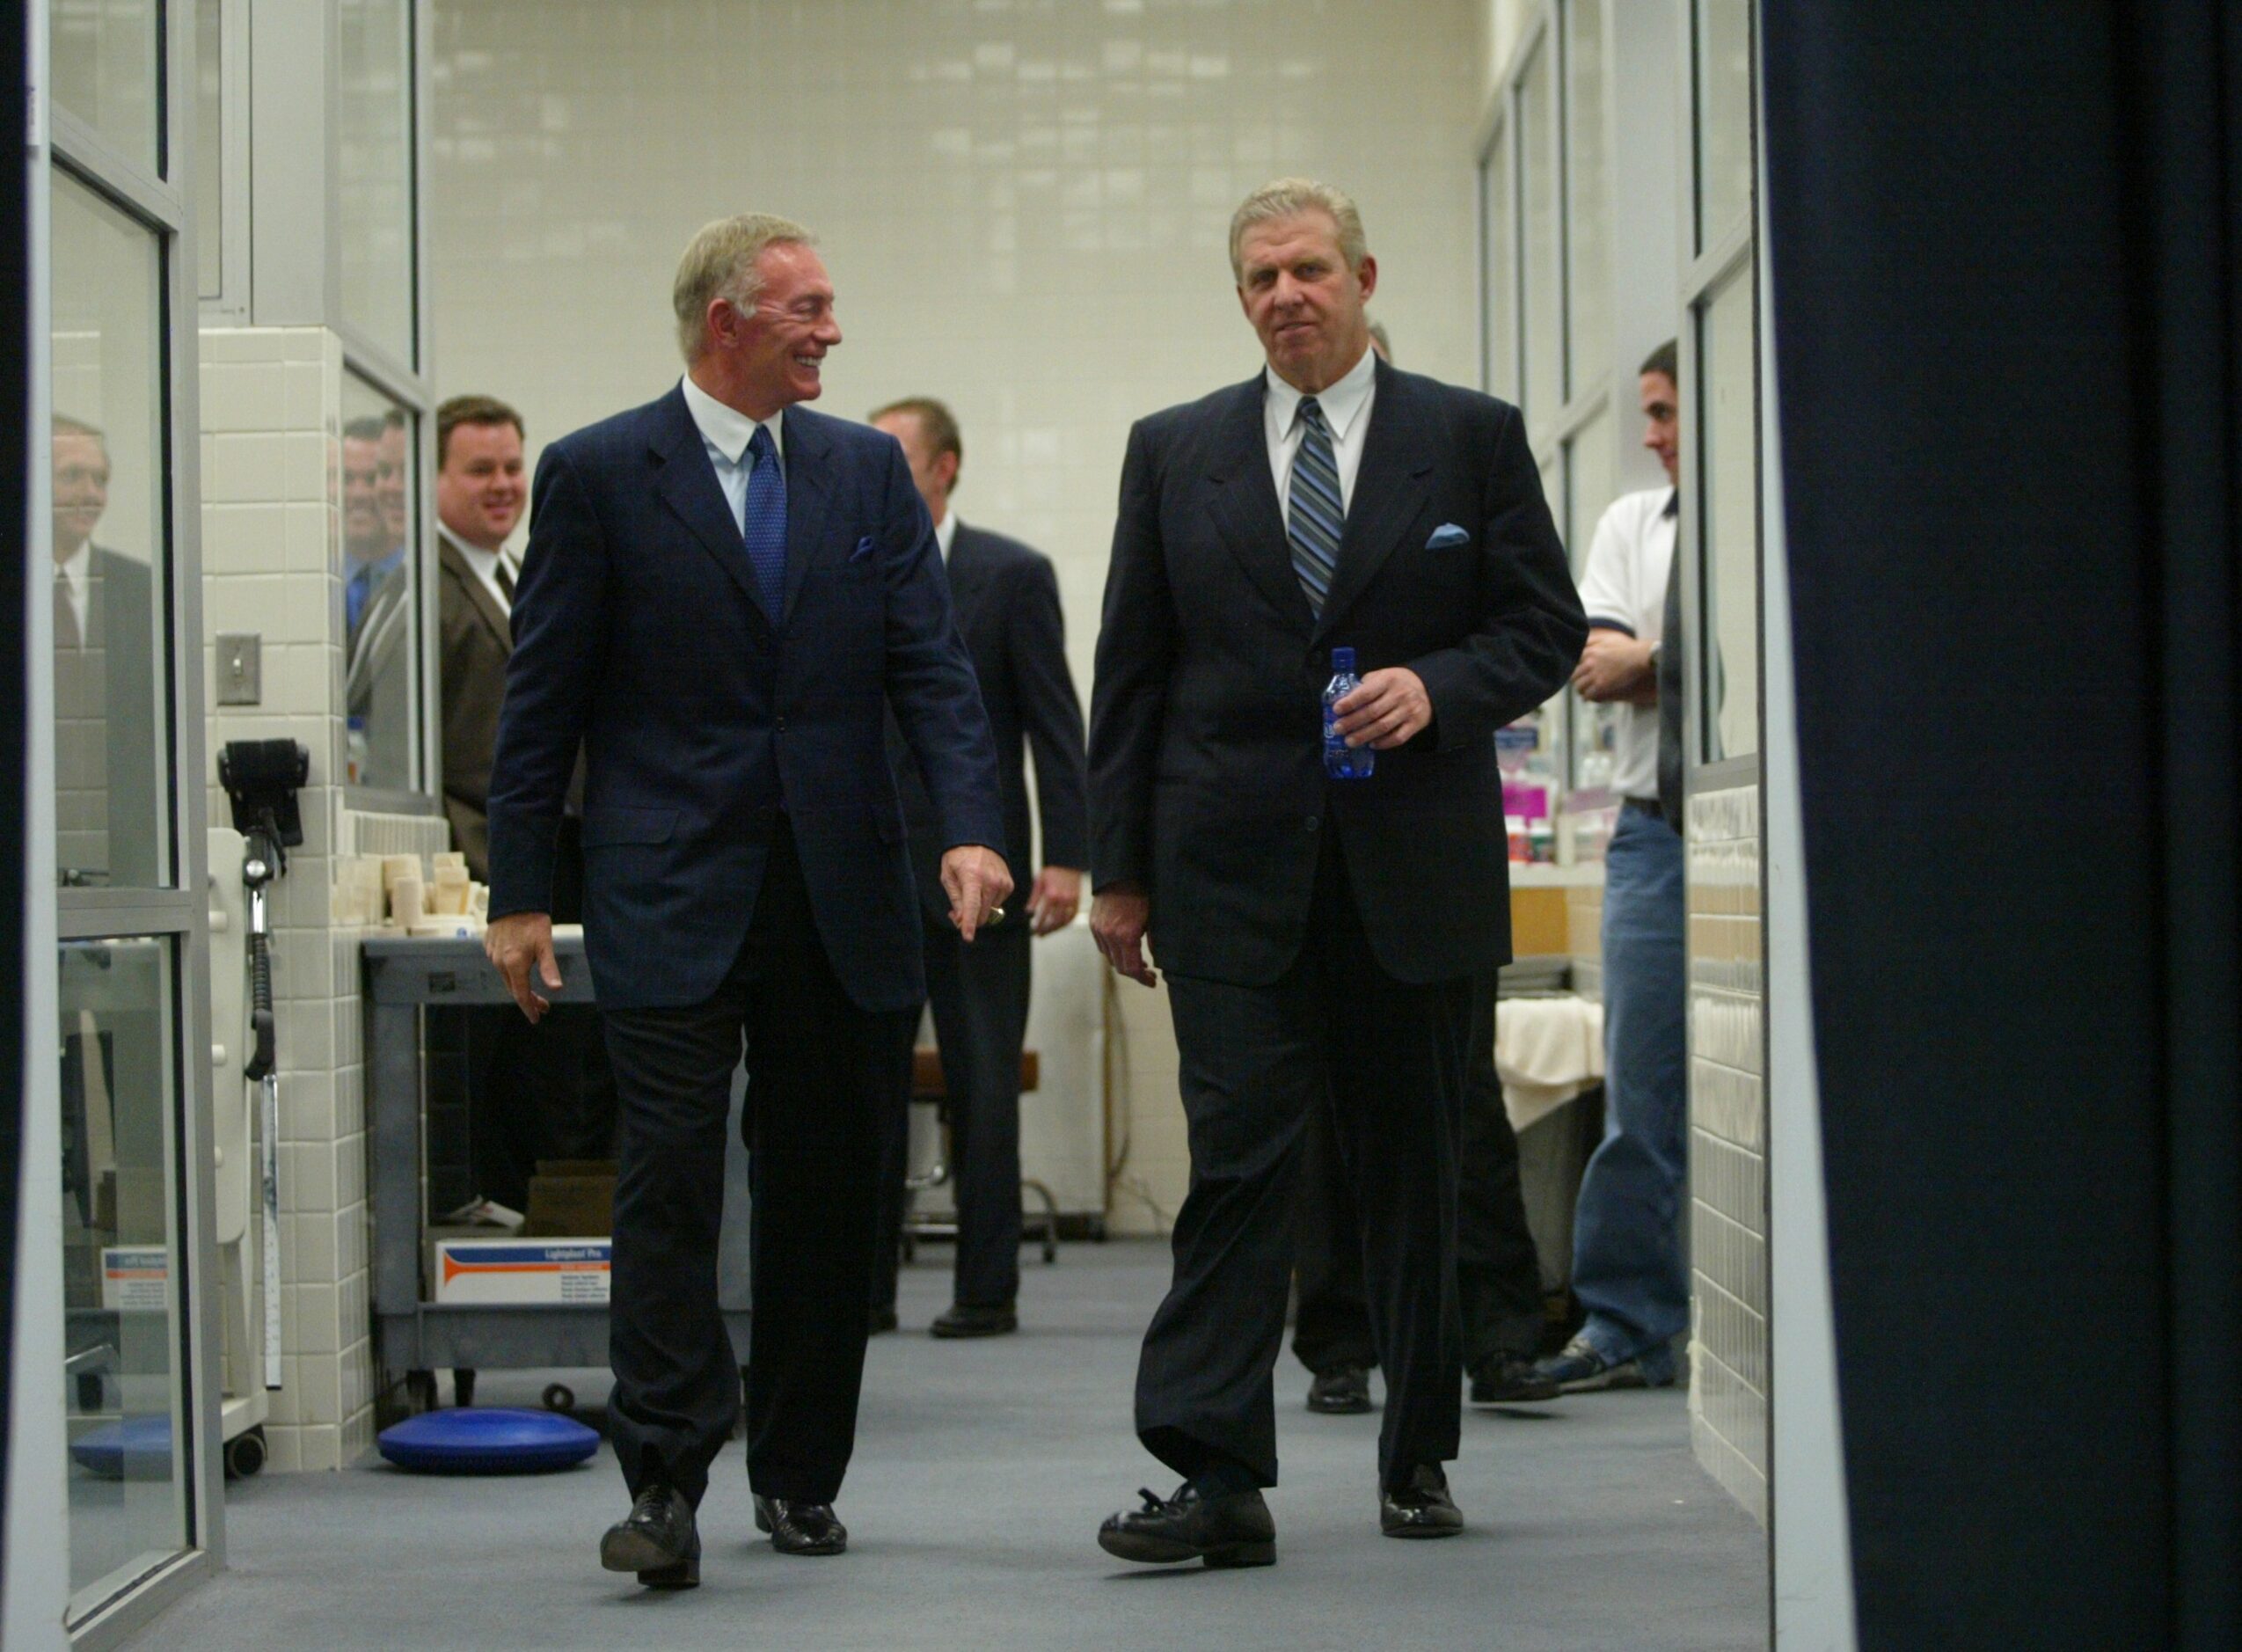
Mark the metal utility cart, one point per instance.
(415, 1336)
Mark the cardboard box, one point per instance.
(541, 1271)
(135, 1278)
(571, 1199)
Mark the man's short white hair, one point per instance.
(719, 262)
(1289, 198)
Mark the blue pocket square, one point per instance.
(865, 548)
(1446, 535)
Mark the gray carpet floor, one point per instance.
(981, 1471)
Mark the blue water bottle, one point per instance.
(1341, 761)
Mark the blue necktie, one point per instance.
(766, 528)
(1317, 515)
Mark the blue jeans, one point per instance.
(1627, 1264)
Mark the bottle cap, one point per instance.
(1342, 659)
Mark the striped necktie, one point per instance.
(765, 527)
(504, 573)
(1319, 515)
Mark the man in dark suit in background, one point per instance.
(1322, 937)
(1007, 601)
(534, 1091)
(724, 593)
(106, 650)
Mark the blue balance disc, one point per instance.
(488, 1440)
(136, 1447)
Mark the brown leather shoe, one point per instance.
(801, 1528)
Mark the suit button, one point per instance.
(1312, 823)
(781, 726)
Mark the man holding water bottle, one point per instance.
(1325, 910)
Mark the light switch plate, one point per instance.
(241, 675)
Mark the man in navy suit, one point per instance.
(722, 595)
(1008, 612)
(1323, 938)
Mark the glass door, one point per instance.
(116, 578)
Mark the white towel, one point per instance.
(1546, 1051)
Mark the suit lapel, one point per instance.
(495, 619)
(967, 575)
(1390, 491)
(810, 494)
(1245, 504)
(687, 484)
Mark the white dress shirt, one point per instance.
(77, 570)
(945, 533)
(1623, 588)
(1347, 409)
(485, 564)
(726, 433)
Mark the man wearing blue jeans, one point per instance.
(1628, 1269)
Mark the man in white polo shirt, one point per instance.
(1627, 1264)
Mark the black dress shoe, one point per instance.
(882, 1320)
(657, 1539)
(962, 1319)
(1341, 1394)
(1508, 1379)
(1422, 1509)
(1232, 1530)
(801, 1528)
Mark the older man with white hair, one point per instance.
(1326, 889)
(722, 595)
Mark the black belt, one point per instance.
(1649, 805)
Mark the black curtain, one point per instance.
(15, 471)
(2004, 255)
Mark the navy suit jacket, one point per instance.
(639, 628)
(1007, 598)
(1207, 782)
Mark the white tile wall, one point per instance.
(271, 416)
(1025, 206)
(1729, 1367)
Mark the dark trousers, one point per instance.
(819, 1079)
(1498, 1273)
(1387, 1056)
(542, 1090)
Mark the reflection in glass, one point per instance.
(210, 148)
(1723, 117)
(1728, 673)
(380, 609)
(102, 66)
(1587, 268)
(126, 1510)
(1545, 341)
(109, 540)
(374, 171)
(1501, 273)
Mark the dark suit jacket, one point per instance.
(477, 639)
(105, 727)
(1007, 601)
(639, 627)
(1205, 769)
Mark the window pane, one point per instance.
(1588, 461)
(1545, 342)
(209, 147)
(109, 545)
(1588, 252)
(1729, 670)
(120, 1263)
(374, 124)
(381, 609)
(103, 66)
(1723, 116)
(1501, 273)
